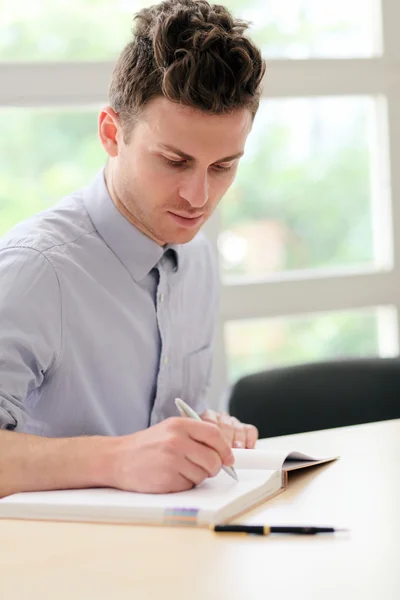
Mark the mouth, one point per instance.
(186, 221)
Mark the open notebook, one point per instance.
(262, 474)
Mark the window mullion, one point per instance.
(390, 28)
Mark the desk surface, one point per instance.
(40, 560)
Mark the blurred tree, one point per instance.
(323, 200)
(97, 29)
(43, 156)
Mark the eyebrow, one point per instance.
(192, 158)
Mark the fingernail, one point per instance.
(238, 445)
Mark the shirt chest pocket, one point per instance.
(196, 376)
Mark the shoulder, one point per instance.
(51, 230)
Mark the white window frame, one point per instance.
(301, 292)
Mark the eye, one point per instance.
(222, 168)
(174, 163)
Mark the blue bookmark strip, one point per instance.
(181, 516)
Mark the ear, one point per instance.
(109, 131)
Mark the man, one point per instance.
(107, 300)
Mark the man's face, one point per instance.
(178, 164)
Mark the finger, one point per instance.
(224, 413)
(227, 426)
(193, 472)
(251, 435)
(239, 433)
(179, 483)
(205, 457)
(240, 436)
(224, 422)
(210, 435)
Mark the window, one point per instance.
(302, 198)
(308, 236)
(85, 30)
(255, 344)
(44, 154)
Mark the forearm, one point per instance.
(33, 463)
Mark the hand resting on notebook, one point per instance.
(171, 456)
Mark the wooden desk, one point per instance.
(40, 560)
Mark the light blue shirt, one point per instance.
(100, 327)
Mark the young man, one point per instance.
(107, 300)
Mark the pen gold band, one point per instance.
(267, 530)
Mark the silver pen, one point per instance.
(186, 411)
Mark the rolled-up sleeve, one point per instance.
(30, 329)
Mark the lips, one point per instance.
(186, 216)
(186, 221)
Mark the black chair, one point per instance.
(319, 395)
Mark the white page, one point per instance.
(274, 460)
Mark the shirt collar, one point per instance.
(139, 253)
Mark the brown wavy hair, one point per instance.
(191, 52)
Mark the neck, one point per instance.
(120, 206)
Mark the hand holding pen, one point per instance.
(186, 411)
(171, 456)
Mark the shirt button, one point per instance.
(165, 360)
(161, 297)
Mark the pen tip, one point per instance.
(234, 474)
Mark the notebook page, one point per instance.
(275, 460)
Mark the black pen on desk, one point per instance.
(268, 529)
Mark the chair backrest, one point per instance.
(319, 395)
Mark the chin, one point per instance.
(181, 237)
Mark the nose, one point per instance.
(194, 189)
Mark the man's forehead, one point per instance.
(166, 114)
